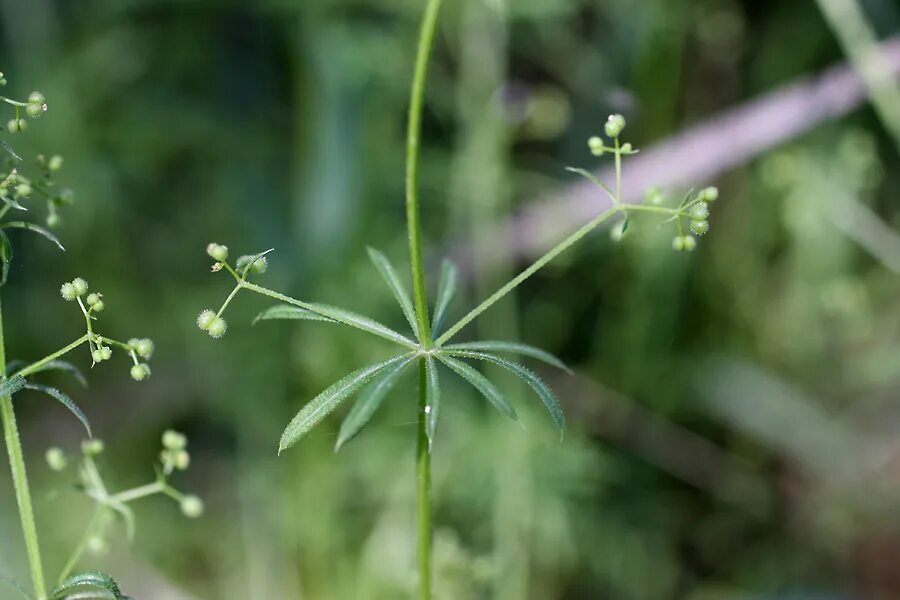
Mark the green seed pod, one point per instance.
(699, 211)
(709, 194)
(145, 348)
(217, 252)
(53, 220)
(23, 190)
(182, 460)
(654, 195)
(34, 110)
(67, 291)
(36, 98)
(96, 355)
(217, 328)
(260, 265)
(81, 286)
(16, 125)
(596, 146)
(690, 243)
(206, 318)
(614, 125)
(97, 544)
(626, 148)
(191, 506)
(98, 306)
(92, 299)
(55, 163)
(106, 352)
(140, 372)
(678, 243)
(56, 459)
(699, 227)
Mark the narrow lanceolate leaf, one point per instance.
(400, 294)
(433, 399)
(323, 404)
(537, 384)
(11, 386)
(480, 383)
(62, 365)
(5, 256)
(9, 149)
(360, 322)
(512, 348)
(84, 582)
(64, 400)
(369, 402)
(35, 228)
(590, 177)
(446, 291)
(284, 311)
(11, 202)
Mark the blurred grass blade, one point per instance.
(56, 365)
(446, 291)
(12, 583)
(12, 385)
(84, 582)
(537, 384)
(369, 402)
(5, 256)
(481, 383)
(35, 228)
(361, 322)
(9, 149)
(64, 399)
(323, 404)
(284, 311)
(400, 294)
(433, 397)
(512, 348)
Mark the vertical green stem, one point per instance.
(20, 480)
(414, 130)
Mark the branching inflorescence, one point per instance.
(18, 377)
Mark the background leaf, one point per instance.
(36, 229)
(92, 579)
(481, 383)
(65, 400)
(511, 347)
(285, 311)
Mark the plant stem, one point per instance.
(36, 366)
(420, 297)
(513, 283)
(20, 481)
(82, 545)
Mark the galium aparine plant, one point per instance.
(426, 345)
(19, 377)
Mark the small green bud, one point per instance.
(36, 98)
(260, 265)
(217, 328)
(709, 194)
(106, 352)
(34, 110)
(56, 459)
(596, 146)
(182, 460)
(93, 298)
(654, 195)
(67, 196)
(96, 355)
(699, 227)
(97, 544)
(614, 125)
(81, 286)
(699, 211)
(626, 147)
(206, 318)
(191, 506)
(174, 440)
(140, 372)
(690, 243)
(53, 220)
(2, 79)
(55, 163)
(217, 252)
(144, 348)
(678, 243)
(16, 125)
(68, 292)
(92, 447)
(23, 190)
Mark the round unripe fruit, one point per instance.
(144, 347)
(678, 243)
(56, 459)
(35, 110)
(16, 125)
(690, 243)
(140, 372)
(92, 299)
(217, 328)
(36, 98)
(97, 544)
(55, 163)
(217, 252)
(205, 319)
(182, 460)
(173, 440)
(654, 195)
(709, 194)
(80, 285)
(191, 506)
(53, 220)
(259, 265)
(626, 147)
(23, 190)
(614, 125)
(106, 352)
(699, 227)
(92, 447)
(67, 291)
(699, 211)
(596, 146)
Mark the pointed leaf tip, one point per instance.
(401, 295)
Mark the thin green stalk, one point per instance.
(420, 297)
(537, 265)
(36, 366)
(20, 481)
(82, 545)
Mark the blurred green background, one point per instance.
(733, 415)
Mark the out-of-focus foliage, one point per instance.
(732, 423)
